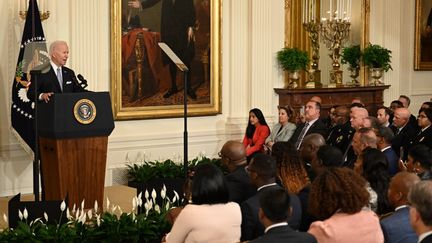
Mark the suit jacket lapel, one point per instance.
(53, 78)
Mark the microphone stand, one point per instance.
(35, 74)
(182, 67)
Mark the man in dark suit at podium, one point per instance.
(58, 79)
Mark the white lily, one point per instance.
(77, 214)
(25, 213)
(139, 195)
(163, 192)
(20, 215)
(140, 202)
(146, 194)
(46, 216)
(167, 207)
(98, 220)
(134, 203)
(96, 206)
(108, 204)
(176, 196)
(68, 215)
(5, 218)
(63, 206)
(74, 208)
(133, 217)
(157, 208)
(82, 204)
(90, 214)
(153, 194)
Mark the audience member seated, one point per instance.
(257, 132)
(396, 227)
(424, 123)
(341, 134)
(403, 131)
(284, 129)
(420, 199)
(327, 157)
(312, 125)
(384, 116)
(289, 168)
(406, 101)
(395, 104)
(427, 104)
(363, 138)
(308, 151)
(210, 209)
(385, 136)
(262, 172)
(371, 121)
(339, 198)
(357, 100)
(357, 117)
(420, 161)
(373, 166)
(273, 214)
(233, 157)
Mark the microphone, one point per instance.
(83, 81)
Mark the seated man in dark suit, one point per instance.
(403, 131)
(420, 199)
(233, 157)
(262, 173)
(385, 136)
(273, 214)
(312, 125)
(341, 134)
(396, 227)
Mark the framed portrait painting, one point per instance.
(145, 83)
(423, 35)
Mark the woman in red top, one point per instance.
(256, 133)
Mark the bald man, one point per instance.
(403, 131)
(396, 227)
(233, 157)
(357, 117)
(308, 150)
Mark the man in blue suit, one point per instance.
(273, 214)
(385, 136)
(396, 227)
(420, 198)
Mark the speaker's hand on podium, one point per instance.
(46, 96)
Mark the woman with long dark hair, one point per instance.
(372, 164)
(209, 217)
(257, 131)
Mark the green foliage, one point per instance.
(376, 56)
(352, 55)
(149, 170)
(112, 226)
(292, 59)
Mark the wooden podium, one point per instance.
(73, 136)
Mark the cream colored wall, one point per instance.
(252, 32)
(249, 73)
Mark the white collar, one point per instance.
(425, 128)
(266, 185)
(384, 149)
(275, 225)
(424, 235)
(400, 207)
(54, 66)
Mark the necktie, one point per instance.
(301, 136)
(59, 78)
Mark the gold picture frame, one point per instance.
(140, 74)
(423, 35)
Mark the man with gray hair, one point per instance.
(403, 131)
(420, 199)
(58, 79)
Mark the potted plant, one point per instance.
(150, 175)
(351, 55)
(293, 60)
(377, 58)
